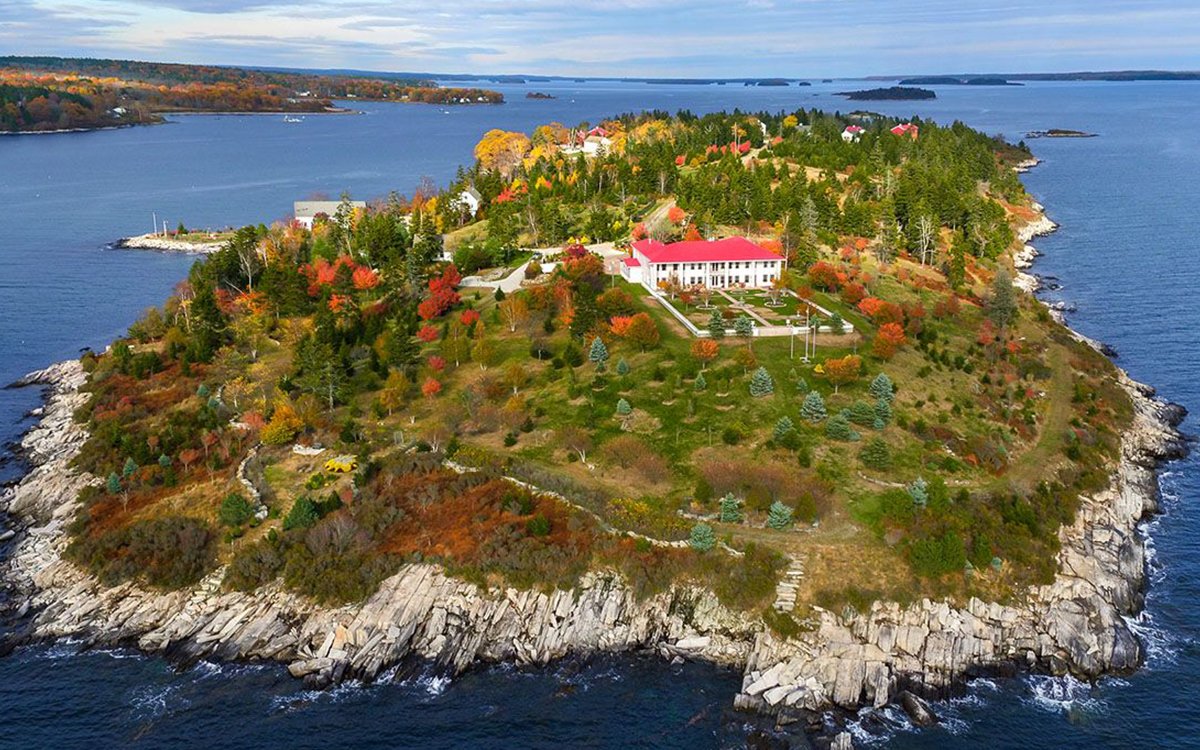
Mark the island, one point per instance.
(893, 93)
(538, 95)
(725, 387)
(957, 81)
(50, 94)
(1059, 133)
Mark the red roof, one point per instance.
(854, 129)
(631, 262)
(699, 251)
(906, 128)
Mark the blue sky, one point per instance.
(801, 38)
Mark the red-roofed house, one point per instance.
(852, 133)
(906, 128)
(716, 264)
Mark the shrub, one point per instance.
(919, 492)
(702, 538)
(170, 552)
(235, 510)
(303, 514)
(783, 428)
(731, 436)
(779, 516)
(254, 566)
(862, 413)
(539, 525)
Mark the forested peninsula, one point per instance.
(45, 94)
(450, 425)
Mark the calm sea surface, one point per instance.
(1127, 256)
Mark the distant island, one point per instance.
(538, 95)
(48, 94)
(898, 93)
(956, 81)
(768, 82)
(1059, 133)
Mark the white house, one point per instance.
(468, 200)
(306, 211)
(589, 144)
(717, 264)
(852, 133)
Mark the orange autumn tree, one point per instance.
(431, 387)
(843, 370)
(705, 351)
(642, 332)
(676, 215)
(888, 340)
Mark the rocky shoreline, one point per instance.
(166, 244)
(890, 654)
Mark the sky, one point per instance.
(647, 38)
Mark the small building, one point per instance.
(469, 200)
(717, 264)
(306, 211)
(590, 143)
(852, 133)
(908, 129)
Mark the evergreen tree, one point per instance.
(321, 371)
(882, 388)
(700, 384)
(779, 516)
(622, 367)
(1002, 302)
(919, 492)
(702, 538)
(862, 413)
(876, 454)
(838, 428)
(835, 323)
(761, 383)
(112, 485)
(813, 408)
(883, 413)
(623, 408)
(783, 428)
(731, 510)
(598, 354)
(716, 325)
(130, 467)
(743, 327)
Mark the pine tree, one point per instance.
(779, 516)
(813, 408)
(622, 367)
(783, 428)
(1002, 303)
(113, 484)
(743, 327)
(700, 384)
(702, 538)
(598, 354)
(731, 510)
(838, 428)
(716, 325)
(883, 413)
(623, 408)
(130, 467)
(876, 454)
(862, 413)
(761, 383)
(882, 387)
(919, 492)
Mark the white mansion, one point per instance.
(717, 264)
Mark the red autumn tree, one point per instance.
(705, 351)
(365, 278)
(638, 232)
(428, 334)
(642, 332)
(823, 276)
(469, 317)
(619, 324)
(431, 387)
(676, 215)
(854, 293)
(888, 340)
(692, 234)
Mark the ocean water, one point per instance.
(1127, 258)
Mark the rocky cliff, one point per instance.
(1074, 625)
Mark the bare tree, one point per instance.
(926, 234)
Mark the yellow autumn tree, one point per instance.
(502, 150)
